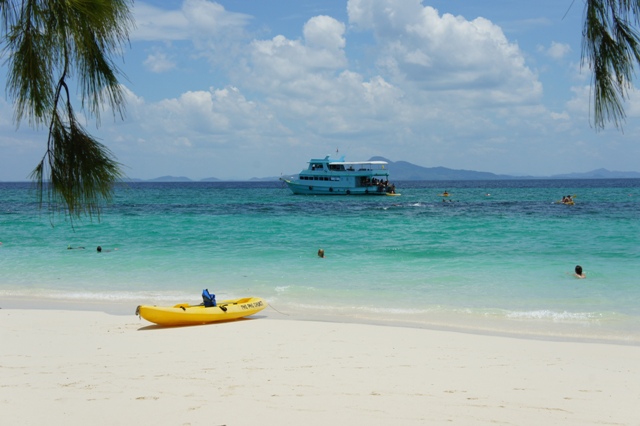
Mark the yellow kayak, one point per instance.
(186, 314)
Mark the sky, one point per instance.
(248, 88)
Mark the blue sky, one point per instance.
(248, 88)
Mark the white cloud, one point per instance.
(196, 19)
(207, 19)
(158, 62)
(324, 32)
(153, 23)
(558, 50)
(445, 52)
(278, 61)
(580, 103)
(205, 118)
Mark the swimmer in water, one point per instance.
(321, 253)
(99, 250)
(579, 273)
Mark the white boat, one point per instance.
(338, 177)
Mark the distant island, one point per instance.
(405, 171)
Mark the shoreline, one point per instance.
(454, 323)
(110, 369)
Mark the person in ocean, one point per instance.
(99, 249)
(321, 253)
(578, 272)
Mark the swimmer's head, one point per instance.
(99, 249)
(578, 269)
(320, 253)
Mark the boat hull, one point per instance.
(186, 314)
(325, 189)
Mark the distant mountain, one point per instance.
(599, 174)
(265, 179)
(170, 179)
(402, 170)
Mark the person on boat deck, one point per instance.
(321, 253)
(579, 273)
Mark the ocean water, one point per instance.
(496, 257)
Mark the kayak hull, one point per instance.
(186, 314)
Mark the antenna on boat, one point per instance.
(337, 151)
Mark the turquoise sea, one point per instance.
(496, 257)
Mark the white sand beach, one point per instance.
(79, 367)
